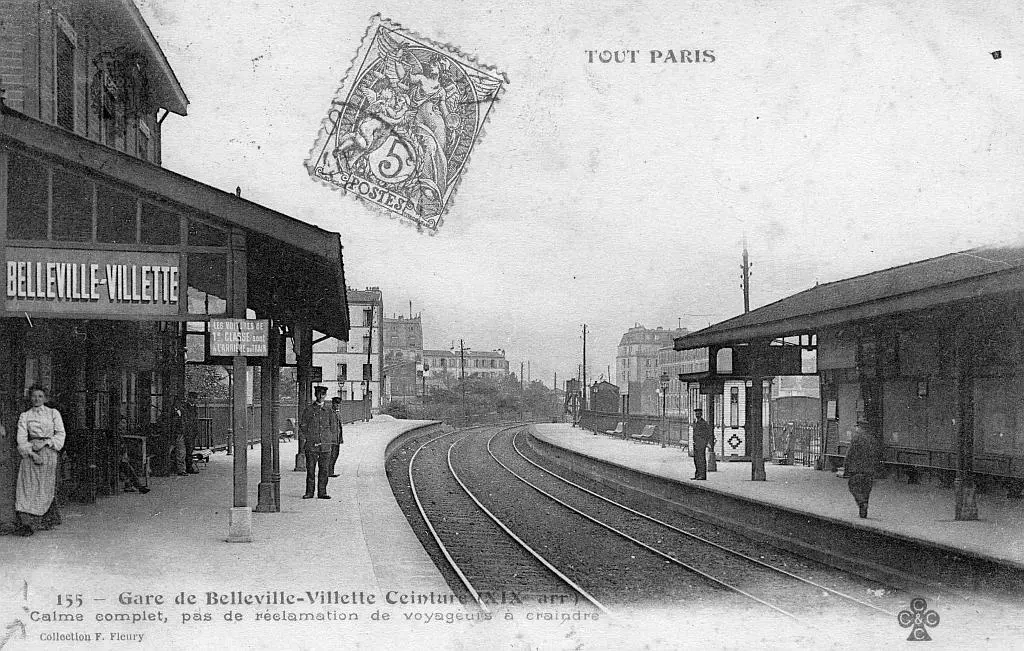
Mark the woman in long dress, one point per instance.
(40, 438)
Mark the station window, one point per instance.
(368, 372)
(115, 216)
(27, 198)
(342, 372)
(202, 234)
(734, 407)
(159, 226)
(195, 347)
(72, 207)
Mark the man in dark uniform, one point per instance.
(861, 465)
(703, 438)
(190, 427)
(336, 450)
(319, 427)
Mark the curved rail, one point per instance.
(694, 536)
(638, 542)
(554, 570)
(444, 549)
(430, 527)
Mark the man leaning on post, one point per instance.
(319, 427)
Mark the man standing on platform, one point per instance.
(336, 450)
(190, 427)
(176, 425)
(861, 465)
(320, 428)
(703, 438)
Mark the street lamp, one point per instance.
(663, 381)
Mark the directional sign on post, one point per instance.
(239, 337)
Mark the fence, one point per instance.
(795, 443)
(215, 420)
(677, 428)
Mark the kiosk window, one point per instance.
(72, 207)
(115, 216)
(27, 198)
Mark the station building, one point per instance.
(113, 265)
(928, 356)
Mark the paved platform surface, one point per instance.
(173, 540)
(921, 512)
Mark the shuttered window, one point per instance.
(65, 81)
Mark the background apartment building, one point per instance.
(445, 366)
(354, 369)
(636, 366)
(403, 358)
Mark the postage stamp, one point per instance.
(404, 122)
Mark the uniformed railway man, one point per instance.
(861, 464)
(319, 427)
(703, 438)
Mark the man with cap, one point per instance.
(703, 437)
(861, 465)
(319, 427)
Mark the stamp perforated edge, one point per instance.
(348, 80)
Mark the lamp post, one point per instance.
(663, 381)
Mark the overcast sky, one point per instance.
(840, 137)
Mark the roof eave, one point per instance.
(999, 282)
(176, 101)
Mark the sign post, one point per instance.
(239, 338)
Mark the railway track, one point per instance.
(779, 589)
(493, 564)
(507, 531)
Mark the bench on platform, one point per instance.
(618, 431)
(647, 434)
(201, 455)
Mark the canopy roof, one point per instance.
(295, 270)
(950, 278)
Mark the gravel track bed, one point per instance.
(614, 570)
(887, 597)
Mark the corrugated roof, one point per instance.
(917, 285)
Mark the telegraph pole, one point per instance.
(584, 403)
(462, 378)
(745, 267)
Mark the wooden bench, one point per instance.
(619, 430)
(647, 434)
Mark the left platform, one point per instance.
(329, 558)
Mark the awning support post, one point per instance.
(713, 372)
(265, 491)
(963, 486)
(240, 515)
(303, 373)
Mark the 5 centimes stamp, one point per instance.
(404, 122)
